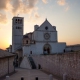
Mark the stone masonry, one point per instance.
(59, 64)
(4, 66)
(6, 63)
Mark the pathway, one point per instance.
(29, 74)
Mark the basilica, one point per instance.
(40, 49)
(43, 40)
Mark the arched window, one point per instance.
(16, 21)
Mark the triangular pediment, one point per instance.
(46, 26)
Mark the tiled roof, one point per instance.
(76, 45)
(25, 36)
(5, 54)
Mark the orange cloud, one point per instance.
(36, 15)
(16, 6)
(61, 2)
(3, 4)
(3, 18)
(67, 8)
(45, 1)
(23, 6)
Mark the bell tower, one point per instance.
(17, 33)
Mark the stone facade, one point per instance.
(19, 57)
(73, 48)
(6, 63)
(59, 64)
(43, 40)
(5, 66)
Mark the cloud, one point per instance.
(67, 8)
(17, 6)
(4, 4)
(45, 1)
(3, 18)
(61, 2)
(23, 6)
(36, 15)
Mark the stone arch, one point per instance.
(47, 49)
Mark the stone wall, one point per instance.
(4, 68)
(59, 64)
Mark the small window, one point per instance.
(16, 19)
(30, 52)
(26, 41)
(34, 42)
(18, 27)
(21, 21)
(46, 28)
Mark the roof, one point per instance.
(19, 49)
(17, 17)
(4, 54)
(25, 36)
(46, 22)
(76, 45)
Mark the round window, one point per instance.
(46, 28)
(46, 36)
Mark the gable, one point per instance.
(46, 26)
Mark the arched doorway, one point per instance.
(47, 49)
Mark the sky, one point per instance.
(64, 14)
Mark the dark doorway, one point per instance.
(30, 52)
(47, 49)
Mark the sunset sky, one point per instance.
(64, 14)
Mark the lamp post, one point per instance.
(8, 65)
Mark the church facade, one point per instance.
(43, 40)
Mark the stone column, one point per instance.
(7, 78)
(65, 76)
(22, 78)
(36, 78)
(50, 77)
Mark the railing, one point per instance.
(29, 62)
(32, 62)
